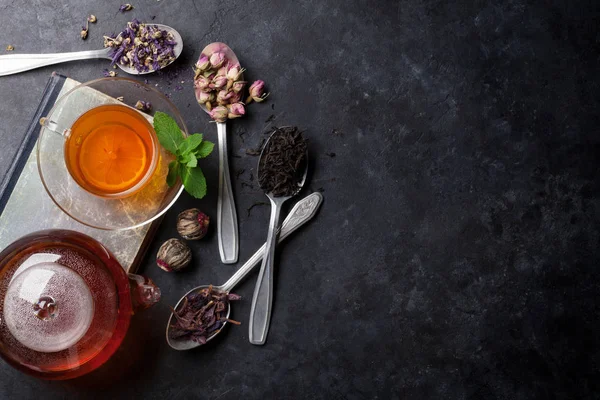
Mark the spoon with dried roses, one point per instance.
(15, 63)
(301, 213)
(227, 224)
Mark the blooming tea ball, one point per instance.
(192, 224)
(173, 255)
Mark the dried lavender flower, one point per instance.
(143, 105)
(141, 46)
(126, 7)
(84, 32)
(108, 73)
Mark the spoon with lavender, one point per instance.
(183, 334)
(282, 170)
(218, 80)
(139, 49)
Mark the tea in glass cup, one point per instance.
(111, 151)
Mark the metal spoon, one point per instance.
(302, 212)
(15, 63)
(262, 300)
(227, 225)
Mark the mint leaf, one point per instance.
(204, 149)
(190, 143)
(173, 173)
(186, 158)
(193, 163)
(193, 181)
(168, 133)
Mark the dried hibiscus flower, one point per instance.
(202, 315)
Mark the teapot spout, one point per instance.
(144, 293)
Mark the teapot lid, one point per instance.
(48, 307)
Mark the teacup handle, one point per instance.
(52, 126)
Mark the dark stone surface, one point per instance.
(455, 255)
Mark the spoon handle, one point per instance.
(15, 63)
(302, 212)
(262, 300)
(227, 225)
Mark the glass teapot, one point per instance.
(65, 303)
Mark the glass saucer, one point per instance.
(147, 204)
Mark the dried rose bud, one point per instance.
(84, 32)
(204, 97)
(234, 72)
(238, 86)
(126, 7)
(92, 18)
(192, 224)
(222, 70)
(236, 110)
(235, 97)
(173, 255)
(223, 96)
(202, 83)
(203, 63)
(256, 91)
(219, 82)
(219, 113)
(217, 59)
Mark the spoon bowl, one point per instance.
(185, 344)
(177, 50)
(229, 54)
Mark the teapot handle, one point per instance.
(144, 293)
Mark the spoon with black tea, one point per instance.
(282, 170)
(14, 63)
(301, 213)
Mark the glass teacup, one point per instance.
(98, 155)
